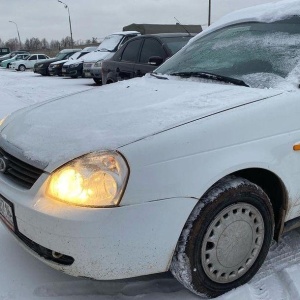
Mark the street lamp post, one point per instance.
(209, 13)
(67, 7)
(18, 33)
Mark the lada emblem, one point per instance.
(3, 164)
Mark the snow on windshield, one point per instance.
(110, 42)
(242, 50)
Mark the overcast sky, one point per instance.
(98, 18)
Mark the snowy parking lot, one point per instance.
(23, 277)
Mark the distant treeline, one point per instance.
(34, 44)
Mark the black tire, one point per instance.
(97, 80)
(7, 66)
(74, 76)
(197, 256)
(109, 81)
(21, 68)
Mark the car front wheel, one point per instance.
(226, 238)
(22, 68)
(97, 80)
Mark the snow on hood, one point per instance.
(54, 132)
(268, 13)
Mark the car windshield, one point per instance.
(257, 53)
(60, 55)
(176, 43)
(110, 42)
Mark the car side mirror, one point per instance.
(155, 60)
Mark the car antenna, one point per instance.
(182, 26)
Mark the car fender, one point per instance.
(187, 160)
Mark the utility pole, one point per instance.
(67, 7)
(18, 33)
(209, 12)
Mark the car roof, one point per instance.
(69, 50)
(125, 33)
(166, 35)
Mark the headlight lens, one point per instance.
(98, 64)
(94, 180)
(40, 65)
(2, 121)
(74, 65)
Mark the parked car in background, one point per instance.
(29, 62)
(42, 67)
(106, 50)
(12, 54)
(73, 67)
(193, 168)
(55, 68)
(6, 63)
(139, 56)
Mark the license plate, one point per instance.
(6, 213)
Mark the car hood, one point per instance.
(59, 62)
(54, 132)
(47, 61)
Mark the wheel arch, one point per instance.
(274, 187)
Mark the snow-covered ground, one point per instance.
(23, 277)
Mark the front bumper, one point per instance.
(96, 72)
(71, 72)
(87, 69)
(105, 244)
(42, 71)
(54, 71)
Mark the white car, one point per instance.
(106, 50)
(22, 65)
(193, 168)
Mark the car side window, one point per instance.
(131, 51)
(42, 57)
(34, 57)
(151, 48)
(126, 39)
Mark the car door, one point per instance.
(151, 48)
(124, 68)
(31, 61)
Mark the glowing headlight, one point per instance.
(2, 121)
(94, 180)
(98, 64)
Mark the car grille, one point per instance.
(87, 65)
(20, 172)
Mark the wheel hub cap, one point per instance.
(232, 242)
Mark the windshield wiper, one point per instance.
(212, 76)
(158, 76)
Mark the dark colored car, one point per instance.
(42, 67)
(55, 68)
(141, 55)
(73, 70)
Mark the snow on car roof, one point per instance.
(269, 12)
(125, 32)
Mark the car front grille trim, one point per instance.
(23, 174)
